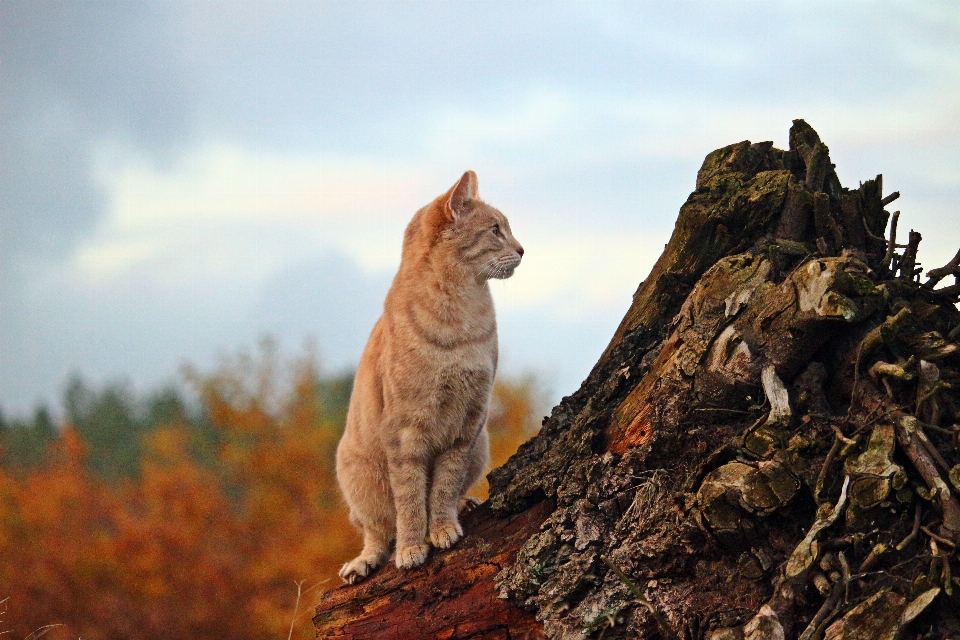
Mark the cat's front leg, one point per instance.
(408, 480)
(449, 473)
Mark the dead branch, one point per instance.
(908, 262)
(949, 292)
(886, 332)
(896, 371)
(662, 623)
(906, 429)
(913, 532)
(939, 539)
(936, 275)
(824, 614)
(821, 477)
(778, 397)
(892, 244)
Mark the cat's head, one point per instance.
(466, 233)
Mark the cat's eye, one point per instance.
(496, 230)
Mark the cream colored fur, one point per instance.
(416, 436)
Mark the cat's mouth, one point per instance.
(505, 267)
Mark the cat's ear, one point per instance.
(463, 191)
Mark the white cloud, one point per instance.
(219, 181)
(229, 213)
(224, 219)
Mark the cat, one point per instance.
(416, 436)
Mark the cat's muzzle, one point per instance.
(505, 267)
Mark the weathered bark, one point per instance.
(749, 455)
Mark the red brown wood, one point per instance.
(452, 597)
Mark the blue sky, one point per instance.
(180, 178)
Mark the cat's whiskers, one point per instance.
(487, 266)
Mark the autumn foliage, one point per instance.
(230, 513)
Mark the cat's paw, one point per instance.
(412, 556)
(444, 533)
(358, 569)
(467, 504)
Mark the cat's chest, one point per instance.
(443, 331)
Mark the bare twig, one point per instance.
(931, 449)
(830, 606)
(296, 608)
(665, 627)
(936, 275)
(939, 539)
(898, 371)
(908, 262)
(824, 614)
(892, 244)
(842, 438)
(890, 198)
(820, 581)
(906, 429)
(778, 396)
(804, 554)
(307, 611)
(938, 429)
(913, 532)
(947, 578)
(845, 568)
(948, 292)
(877, 550)
(821, 477)
(884, 333)
(42, 631)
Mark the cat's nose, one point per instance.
(520, 251)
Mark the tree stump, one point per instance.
(767, 448)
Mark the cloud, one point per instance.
(172, 175)
(226, 219)
(71, 75)
(225, 212)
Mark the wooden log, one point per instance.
(452, 596)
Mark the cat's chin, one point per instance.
(506, 269)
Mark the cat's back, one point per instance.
(366, 398)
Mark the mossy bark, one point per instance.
(739, 452)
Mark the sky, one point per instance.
(180, 179)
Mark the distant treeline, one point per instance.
(113, 421)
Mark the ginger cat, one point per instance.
(416, 435)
